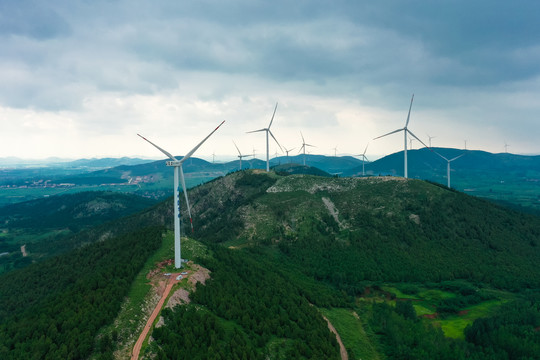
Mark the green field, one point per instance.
(426, 300)
(454, 326)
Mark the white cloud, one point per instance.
(91, 75)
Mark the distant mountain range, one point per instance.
(500, 177)
(15, 162)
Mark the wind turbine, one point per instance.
(240, 156)
(430, 137)
(448, 165)
(179, 174)
(288, 151)
(506, 147)
(267, 143)
(335, 151)
(303, 147)
(405, 131)
(364, 157)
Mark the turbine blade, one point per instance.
(249, 132)
(457, 157)
(301, 148)
(160, 149)
(199, 144)
(440, 155)
(409, 115)
(272, 116)
(273, 137)
(239, 153)
(303, 141)
(185, 195)
(416, 137)
(390, 133)
(364, 153)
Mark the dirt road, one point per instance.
(342, 350)
(138, 344)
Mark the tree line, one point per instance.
(53, 310)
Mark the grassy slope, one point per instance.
(351, 330)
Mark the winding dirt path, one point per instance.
(155, 313)
(342, 350)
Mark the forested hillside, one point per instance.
(44, 227)
(449, 253)
(345, 231)
(499, 177)
(247, 310)
(54, 309)
(405, 269)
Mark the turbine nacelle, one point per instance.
(174, 163)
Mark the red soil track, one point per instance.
(155, 313)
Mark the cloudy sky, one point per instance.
(82, 78)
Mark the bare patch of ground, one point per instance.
(199, 275)
(415, 218)
(23, 251)
(333, 211)
(180, 296)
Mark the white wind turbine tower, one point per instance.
(364, 157)
(240, 156)
(448, 161)
(267, 142)
(405, 131)
(506, 146)
(288, 151)
(303, 147)
(179, 174)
